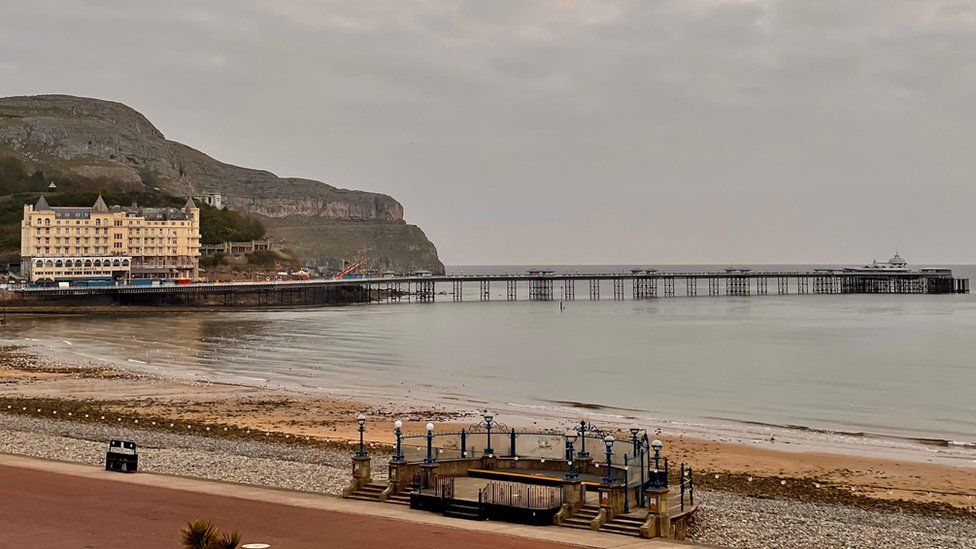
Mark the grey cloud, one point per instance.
(563, 131)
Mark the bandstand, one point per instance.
(586, 477)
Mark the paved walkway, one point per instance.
(56, 504)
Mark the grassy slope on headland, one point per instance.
(17, 187)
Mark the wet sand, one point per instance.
(87, 392)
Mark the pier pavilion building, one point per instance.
(65, 244)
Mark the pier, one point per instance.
(550, 286)
(532, 286)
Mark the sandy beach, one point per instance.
(28, 381)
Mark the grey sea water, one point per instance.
(895, 365)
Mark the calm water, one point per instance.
(886, 364)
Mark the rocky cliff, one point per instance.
(94, 144)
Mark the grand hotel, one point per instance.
(117, 243)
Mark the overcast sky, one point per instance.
(691, 131)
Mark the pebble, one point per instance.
(292, 467)
(729, 520)
(724, 520)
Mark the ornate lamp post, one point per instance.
(608, 441)
(656, 479)
(639, 454)
(570, 437)
(488, 417)
(361, 420)
(657, 446)
(430, 444)
(398, 430)
(582, 429)
(634, 431)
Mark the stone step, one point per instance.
(617, 529)
(362, 497)
(585, 514)
(633, 520)
(373, 487)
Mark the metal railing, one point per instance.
(443, 488)
(522, 496)
(687, 483)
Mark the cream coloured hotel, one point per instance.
(65, 244)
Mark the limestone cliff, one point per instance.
(105, 145)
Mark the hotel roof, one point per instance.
(152, 214)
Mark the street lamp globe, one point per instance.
(398, 424)
(570, 436)
(634, 429)
(656, 445)
(430, 427)
(488, 416)
(609, 440)
(361, 420)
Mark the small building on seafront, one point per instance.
(68, 244)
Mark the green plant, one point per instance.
(226, 541)
(202, 534)
(198, 534)
(262, 258)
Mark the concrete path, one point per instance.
(61, 503)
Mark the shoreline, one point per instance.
(781, 470)
(553, 414)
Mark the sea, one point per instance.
(894, 368)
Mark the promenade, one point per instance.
(56, 504)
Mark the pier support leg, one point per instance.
(618, 288)
(540, 289)
(426, 291)
(668, 286)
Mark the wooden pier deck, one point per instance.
(533, 286)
